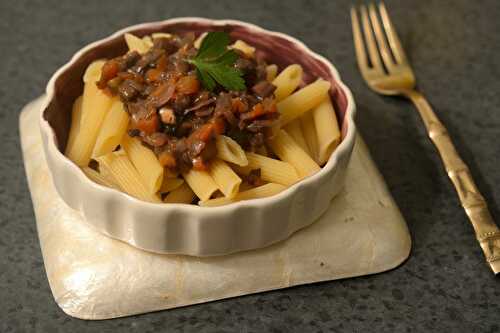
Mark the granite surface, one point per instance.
(453, 46)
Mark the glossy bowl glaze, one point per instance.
(189, 229)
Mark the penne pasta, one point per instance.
(93, 71)
(302, 101)
(170, 184)
(201, 183)
(147, 41)
(248, 50)
(95, 106)
(76, 115)
(271, 71)
(183, 119)
(271, 170)
(294, 129)
(145, 161)
(263, 191)
(112, 131)
(126, 175)
(309, 130)
(287, 81)
(226, 179)
(135, 43)
(99, 178)
(161, 35)
(230, 151)
(289, 151)
(199, 40)
(182, 194)
(106, 173)
(327, 130)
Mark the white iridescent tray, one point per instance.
(96, 277)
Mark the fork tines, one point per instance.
(389, 53)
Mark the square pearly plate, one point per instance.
(95, 277)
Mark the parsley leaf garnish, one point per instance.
(214, 63)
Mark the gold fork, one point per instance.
(386, 70)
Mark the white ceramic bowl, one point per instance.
(189, 229)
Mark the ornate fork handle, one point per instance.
(487, 232)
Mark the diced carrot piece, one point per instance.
(199, 164)
(219, 126)
(167, 160)
(238, 105)
(205, 132)
(188, 85)
(148, 125)
(153, 75)
(256, 112)
(131, 76)
(126, 75)
(109, 70)
(271, 108)
(162, 63)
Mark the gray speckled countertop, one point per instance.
(454, 47)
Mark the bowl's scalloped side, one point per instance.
(190, 229)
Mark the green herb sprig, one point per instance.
(214, 63)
